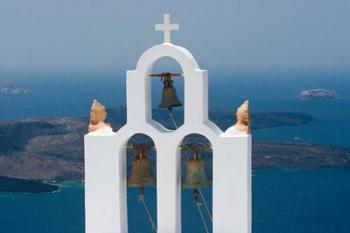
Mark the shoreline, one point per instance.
(15, 185)
(80, 183)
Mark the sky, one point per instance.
(106, 35)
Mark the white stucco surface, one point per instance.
(105, 156)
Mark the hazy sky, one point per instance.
(109, 35)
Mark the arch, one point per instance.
(204, 193)
(195, 85)
(180, 54)
(140, 221)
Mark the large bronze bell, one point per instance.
(141, 172)
(195, 174)
(169, 97)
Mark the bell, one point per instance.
(195, 175)
(141, 172)
(169, 97)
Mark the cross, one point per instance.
(167, 27)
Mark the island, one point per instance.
(318, 94)
(52, 149)
(8, 88)
(8, 184)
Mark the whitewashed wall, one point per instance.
(105, 156)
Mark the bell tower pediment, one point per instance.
(105, 155)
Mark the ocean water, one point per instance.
(288, 201)
(72, 94)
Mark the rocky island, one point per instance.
(8, 88)
(52, 149)
(318, 94)
(28, 186)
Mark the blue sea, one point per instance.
(288, 201)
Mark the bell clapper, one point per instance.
(195, 156)
(141, 195)
(195, 194)
(140, 156)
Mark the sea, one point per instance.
(284, 200)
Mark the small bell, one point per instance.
(169, 97)
(195, 174)
(141, 172)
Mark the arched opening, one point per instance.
(196, 178)
(142, 185)
(167, 93)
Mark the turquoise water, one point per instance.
(60, 212)
(288, 201)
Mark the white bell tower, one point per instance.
(105, 153)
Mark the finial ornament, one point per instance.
(167, 27)
(97, 117)
(242, 116)
(243, 122)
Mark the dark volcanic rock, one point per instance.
(264, 120)
(222, 119)
(52, 149)
(15, 135)
(8, 184)
(35, 165)
(272, 154)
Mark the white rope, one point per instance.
(198, 204)
(205, 205)
(142, 199)
(172, 118)
(149, 216)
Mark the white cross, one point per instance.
(167, 27)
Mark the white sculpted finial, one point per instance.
(167, 27)
(97, 119)
(242, 125)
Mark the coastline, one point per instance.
(8, 184)
(276, 172)
(62, 186)
(14, 185)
